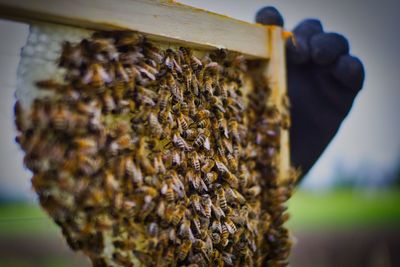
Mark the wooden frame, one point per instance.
(181, 24)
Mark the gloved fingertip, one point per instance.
(308, 28)
(327, 47)
(349, 71)
(269, 16)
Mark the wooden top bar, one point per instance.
(160, 20)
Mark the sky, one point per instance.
(369, 138)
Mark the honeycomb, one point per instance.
(151, 155)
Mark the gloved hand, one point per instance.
(323, 80)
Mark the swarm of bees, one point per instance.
(158, 157)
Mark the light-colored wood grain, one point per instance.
(275, 75)
(161, 20)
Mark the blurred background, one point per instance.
(347, 210)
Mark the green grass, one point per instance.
(48, 262)
(339, 209)
(24, 219)
(344, 209)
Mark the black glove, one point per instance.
(323, 80)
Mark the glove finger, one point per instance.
(349, 71)
(326, 48)
(269, 16)
(299, 52)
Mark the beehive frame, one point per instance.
(181, 26)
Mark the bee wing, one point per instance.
(228, 258)
(147, 73)
(164, 189)
(203, 185)
(207, 144)
(87, 78)
(231, 230)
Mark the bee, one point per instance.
(169, 257)
(49, 84)
(234, 133)
(221, 167)
(178, 214)
(184, 249)
(154, 53)
(111, 184)
(86, 145)
(91, 108)
(173, 87)
(128, 39)
(146, 100)
(217, 210)
(195, 85)
(148, 191)
(210, 178)
(231, 179)
(96, 76)
(133, 171)
(192, 106)
(208, 85)
(187, 74)
(195, 159)
(230, 226)
(71, 55)
(197, 259)
(180, 143)
(163, 99)
(60, 117)
(253, 191)
(148, 70)
(171, 62)
(195, 62)
(219, 146)
(108, 102)
(233, 164)
(216, 238)
(195, 202)
(165, 116)
(168, 190)
(223, 126)
(196, 225)
(216, 226)
(202, 140)
(190, 134)
(121, 143)
(159, 164)
(239, 197)
(182, 122)
(202, 114)
(221, 197)
(228, 258)
(185, 231)
(155, 126)
(201, 246)
(90, 165)
(217, 104)
(207, 205)
(224, 235)
(176, 158)
(195, 180)
(243, 176)
(208, 165)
